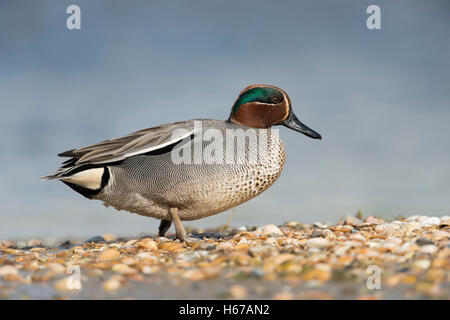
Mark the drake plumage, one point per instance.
(191, 169)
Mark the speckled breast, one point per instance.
(199, 183)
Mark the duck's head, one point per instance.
(263, 106)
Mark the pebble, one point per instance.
(422, 264)
(237, 291)
(113, 283)
(423, 241)
(317, 243)
(224, 246)
(109, 254)
(271, 230)
(270, 240)
(372, 220)
(430, 221)
(8, 270)
(283, 296)
(130, 243)
(439, 235)
(149, 269)
(383, 227)
(197, 275)
(318, 233)
(7, 244)
(320, 225)
(56, 269)
(428, 249)
(411, 252)
(147, 243)
(96, 239)
(352, 221)
(188, 256)
(263, 251)
(445, 222)
(67, 284)
(123, 268)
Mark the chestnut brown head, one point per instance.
(263, 106)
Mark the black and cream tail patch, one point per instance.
(89, 179)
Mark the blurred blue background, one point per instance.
(380, 98)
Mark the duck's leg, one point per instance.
(164, 226)
(179, 229)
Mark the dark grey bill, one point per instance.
(293, 123)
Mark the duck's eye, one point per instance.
(275, 100)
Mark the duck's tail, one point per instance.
(87, 179)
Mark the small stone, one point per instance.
(315, 295)
(171, 246)
(56, 269)
(130, 243)
(352, 221)
(422, 264)
(423, 242)
(67, 284)
(113, 283)
(440, 235)
(445, 222)
(283, 296)
(8, 270)
(147, 243)
(342, 228)
(270, 240)
(318, 233)
(197, 274)
(263, 251)
(145, 255)
(224, 246)
(237, 291)
(31, 266)
(96, 239)
(65, 244)
(123, 268)
(431, 221)
(149, 269)
(372, 220)
(188, 256)
(256, 272)
(428, 249)
(7, 244)
(207, 246)
(243, 240)
(94, 272)
(320, 225)
(411, 226)
(271, 230)
(109, 254)
(317, 243)
(319, 274)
